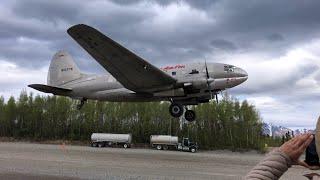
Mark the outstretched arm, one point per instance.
(278, 161)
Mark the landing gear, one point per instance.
(190, 115)
(79, 106)
(176, 110)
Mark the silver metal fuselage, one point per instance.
(192, 76)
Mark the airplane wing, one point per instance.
(130, 70)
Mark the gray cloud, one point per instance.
(170, 32)
(223, 44)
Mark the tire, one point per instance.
(165, 147)
(100, 145)
(158, 147)
(193, 150)
(125, 146)
(190, 115)
(176, 110)
(94, 144)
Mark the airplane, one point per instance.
(133, 79)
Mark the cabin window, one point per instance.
(228, 68)
(194, 71)
(173, 73)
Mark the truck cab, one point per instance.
(187, 145)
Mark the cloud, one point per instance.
(279, 47)
(13, 78)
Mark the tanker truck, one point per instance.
(110, 140)
(164, 142)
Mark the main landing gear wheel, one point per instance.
(176, 110)
(190, 115)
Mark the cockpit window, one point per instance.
(229, 68)
(194, 71)
(173, 73)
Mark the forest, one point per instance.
(228, 124)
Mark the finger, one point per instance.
(294, 140)
(302, 163)
(306, 142)
(302, 139)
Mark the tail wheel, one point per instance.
(190, 115)
(125, 146)
(176, 110)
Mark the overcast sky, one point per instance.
(276, 42)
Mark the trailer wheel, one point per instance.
(159, 147)
(165, 147)
(125, 146)
(193, 150)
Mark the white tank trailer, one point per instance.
(109, 140)
(164, 142)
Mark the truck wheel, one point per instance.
(93, 144)
(100, 145)
(159, 147)
(165, 147)
(125, 146)
(193, 150)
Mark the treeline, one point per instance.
(230, 124)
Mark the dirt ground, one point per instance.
(42, 161)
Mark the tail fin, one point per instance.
(62, 69)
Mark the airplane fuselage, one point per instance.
(190, 76)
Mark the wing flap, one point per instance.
(130, 70)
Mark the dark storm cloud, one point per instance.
(213, 28)
(275, 37)
(223, 44)
(243, 23)
(169, 32)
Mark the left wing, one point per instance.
(130, 70)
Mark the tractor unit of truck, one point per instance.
(110, 140)
(164, 142)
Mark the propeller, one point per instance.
(209, 80)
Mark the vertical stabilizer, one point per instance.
(62, 69)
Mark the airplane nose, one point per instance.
(242, 75)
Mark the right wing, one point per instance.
(130, 70)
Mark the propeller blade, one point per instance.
(208, 82)
(207, 73)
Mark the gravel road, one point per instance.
(39, 161)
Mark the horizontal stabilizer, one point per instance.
(50, 89)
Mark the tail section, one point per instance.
(62, 69)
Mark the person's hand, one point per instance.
(296, 146)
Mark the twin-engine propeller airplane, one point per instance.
(133, 78)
